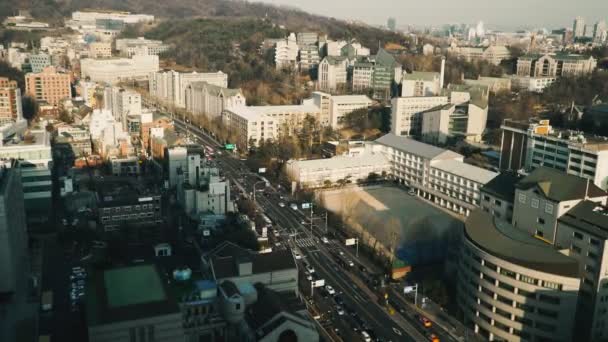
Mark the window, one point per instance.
(539, 233)
(534, 203)
(594, 242)
(522, 198)
(486, 198)
(575, 248)
(577, 235)
(497, 202)
(552, 285)
(545, 327)
(526, 294)
(549, 299)
(506, 286)
(507, 273)
(528, 280)
(490, 265)
(524, 307)
(238, 306)
(540, 220)
(549, 208)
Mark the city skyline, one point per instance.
(512, 15)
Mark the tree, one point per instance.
(29, 107)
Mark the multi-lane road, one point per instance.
(363, 308)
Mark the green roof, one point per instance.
(559, 186)
(385, 58)
(133, 285)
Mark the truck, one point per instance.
(47, 301)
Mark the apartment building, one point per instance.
(307, 38)
(529, 145)
(436, 174)
(406, 113)
(363, 71)
(39, 61)
(170, 86)
(122, 102)
(493, 54)
(100, 50)
(387, 72)
(513, 287)
(308, 57)
(129, 47)
(49, 86)
(122, 204)
(202, 98)
(420, 84)
(252, 124)
(10, 102)
(334, 108)
(332, 73)
(286, 52)
(555, 65)
(115, 70)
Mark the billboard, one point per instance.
(306, 205)
(318, 283)
(230, 147)
(350, 242)
(262, 170)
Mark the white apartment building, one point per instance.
(467, 120)
(170, 86)
(529, 146)
(532, 84)
(435, 174)
(100, 50)
(122, 102)
(334, 48)
(114, 70)
(321, 172)
(420, 84)
(332, 73)
(140, 46)
(334, 108)
(308, 57)
(286, 52)
(210, 100)
(493, 54)
(406, 113)
(363, 73)
(126, 17)
(253, 124)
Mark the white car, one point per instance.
(281, 204)
(294, 206)
(325, 240)
(366, 336)
(308, 276)
(350, 263)
(330, 290)
(310, 269)
(340, 310)
(297, 255)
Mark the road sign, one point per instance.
(409, 289)
(230, 147)
(305, 205)
(350, 242)
(262, 170)
(206, 232)
(318, 283)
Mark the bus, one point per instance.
(47, 301)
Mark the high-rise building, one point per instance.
(579, 27)
(286, 52)
(599, 32)
(10, 101)
(391, 23)
(170, 86)
(13, 236)
(49, 85)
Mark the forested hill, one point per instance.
(293, 19)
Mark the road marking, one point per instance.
(397, 331)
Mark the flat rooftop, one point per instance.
(133, 285)
(464, 170)
(501, 240)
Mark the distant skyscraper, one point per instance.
(479, 30)
(391, 24)
(599, 32)
(579, 27)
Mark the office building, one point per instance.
(308, 57)
(202, 98)
(78, 137)
(420, 83)
(48, 86)
(13, 234)
(286, 52)
(387, 72)
(122, 102)
(114, 70)
(555, 65)
(332, 73)
(363, 71)
(125, 166)
(39, 61)
(129, 47)
(10, 102)
(90, 17)
(406, 113)
(513, 287)
(100, 50)
(132, 303)
(331, 171)
(334, 108)
(433, 173)
(333, 48)
(493, 54)
(170, 86)
(497, 195)
(578, 28)
(200, 189)
(307, 38)
(253, 124)
(529, 145)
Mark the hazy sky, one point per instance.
(494, 13)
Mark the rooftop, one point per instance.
(342, 162)
(558, 56)
(421, 75)
(559, 186)
(416, 147)
(503, 185)
(590, 217)
(351, 98)
(127, 293)
(503, 241)
(214, 89)
(465, 170)
(254, 112)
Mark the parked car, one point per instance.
(330, 290)
(365, 336)
(281, 204)
(325, 240)
(339, 310)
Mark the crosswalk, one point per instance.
(306, 242)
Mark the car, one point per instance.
(293, 206)
(330, 290)
(433, 338)
(350, 263)
(365, 336)
(277, 244)
(411, 192)
(297, 255)
(325, 239)
(310, 269)
(281, 204)
(308, 276)
(339, 310)
(425, 321)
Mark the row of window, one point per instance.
(535, 203)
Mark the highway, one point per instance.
(363, 308)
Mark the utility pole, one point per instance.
(311, 220)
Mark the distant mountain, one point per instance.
(293, 19)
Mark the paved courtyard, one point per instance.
(421, 230)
